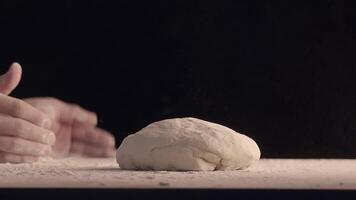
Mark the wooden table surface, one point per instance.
(74, 172)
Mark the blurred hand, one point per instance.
(36, 127)
(25, 133)
(75, 129)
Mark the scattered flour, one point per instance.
(76, 172)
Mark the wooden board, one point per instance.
(74, 172)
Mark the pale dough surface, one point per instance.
(75, 172)
(183, 144)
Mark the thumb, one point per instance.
(10, 79)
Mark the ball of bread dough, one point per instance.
(185, 144)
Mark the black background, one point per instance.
(282, 72)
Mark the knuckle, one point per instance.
(52, 100)
(13, 145)
(95, 115)
(17, 107)
(21, 128)
(75, 107)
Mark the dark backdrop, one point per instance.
(281, 72)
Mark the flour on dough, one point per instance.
(184, 144)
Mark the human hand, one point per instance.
(75, 129)
(25, 133)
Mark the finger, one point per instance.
(73, 113)
(14, 158)
(67, 113)
(23, 147)
(10, 79)
(63, 140)
(92, 135)
(16, 127)
(77, 148)
(81, 148)
(20, 109)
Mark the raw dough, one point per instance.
(187, 144)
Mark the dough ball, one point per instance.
(185, 144)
